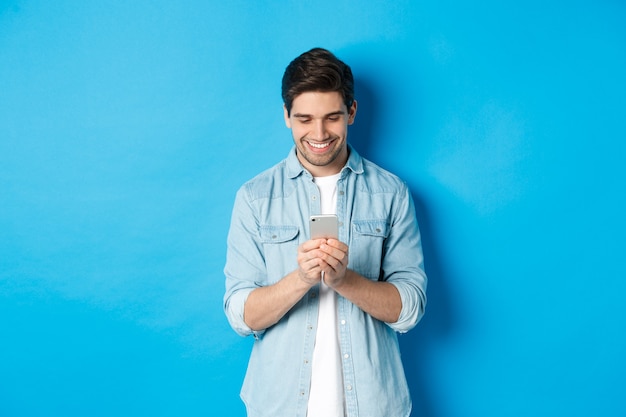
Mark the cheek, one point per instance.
(301, 132)
(298, 133)
(339, 132)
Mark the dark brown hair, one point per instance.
(317, 70)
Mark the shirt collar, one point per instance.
(295, 168)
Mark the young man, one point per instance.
(324, 312)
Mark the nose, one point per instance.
(319, 131)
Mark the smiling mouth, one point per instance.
(320, 146)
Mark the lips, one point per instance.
(319, 147)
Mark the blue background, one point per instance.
(126, 128)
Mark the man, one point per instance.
(324, 312)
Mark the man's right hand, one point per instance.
(309, 269)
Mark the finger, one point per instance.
(337, 244)
(312, 244)
(332, 267)
(309, 263)
(334, 253)
(311, 268)
(305, 255)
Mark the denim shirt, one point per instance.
(377, 220)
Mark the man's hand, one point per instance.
(379, 299)
(329, 256)
(309, 268)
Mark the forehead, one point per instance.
(317, 103)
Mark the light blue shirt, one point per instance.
(377, 220)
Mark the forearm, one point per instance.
(265, 306)
(379, 299)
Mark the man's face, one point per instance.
(319, 125)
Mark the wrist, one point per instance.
(346, 283)
(301, 282)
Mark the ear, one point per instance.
(286, 115)
(352, 112)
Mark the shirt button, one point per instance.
(349, 387)
(346, 356)
(314, 197)
(313, 294)
(340, 192)
(343, 322)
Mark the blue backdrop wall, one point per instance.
(126, 128)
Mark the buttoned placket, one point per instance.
(346, 359)
(312, 309)
(343, 305)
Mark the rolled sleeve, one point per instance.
(405, 263)
(244, 268)
(234, 308)
(413, 304)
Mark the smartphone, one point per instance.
(324, 226)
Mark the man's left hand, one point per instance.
(334, 262)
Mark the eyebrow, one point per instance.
(334, 113)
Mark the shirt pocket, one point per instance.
(280, 250)
(367, 247)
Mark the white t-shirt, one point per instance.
(326, 397)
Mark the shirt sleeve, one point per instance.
(403, 264)
(245, 265)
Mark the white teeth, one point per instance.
(319, 145)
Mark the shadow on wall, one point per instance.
(360, 134)
(417, 346)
